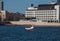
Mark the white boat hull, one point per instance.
(29, 28)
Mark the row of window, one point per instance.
(45, 11)
(46, 18)
(29, 14)
(42, 12)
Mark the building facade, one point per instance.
(30, 13)
(46, 15)
(45, 12)
(2, 15)
(9, 16)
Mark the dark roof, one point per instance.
(46, 6)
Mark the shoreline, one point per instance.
(33, 23)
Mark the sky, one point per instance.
(22, 5)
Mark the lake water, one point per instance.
(39, 33)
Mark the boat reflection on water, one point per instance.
(29, 27)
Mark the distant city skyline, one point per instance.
(22, 5)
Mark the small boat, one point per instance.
(29, 28)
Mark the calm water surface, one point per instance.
(40, 33)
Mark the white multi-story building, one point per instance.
(45, 12)
(30, 13)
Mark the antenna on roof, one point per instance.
(32, 5)
(51, 2)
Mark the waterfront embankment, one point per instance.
(34, 23)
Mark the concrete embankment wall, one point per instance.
(34, 23)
